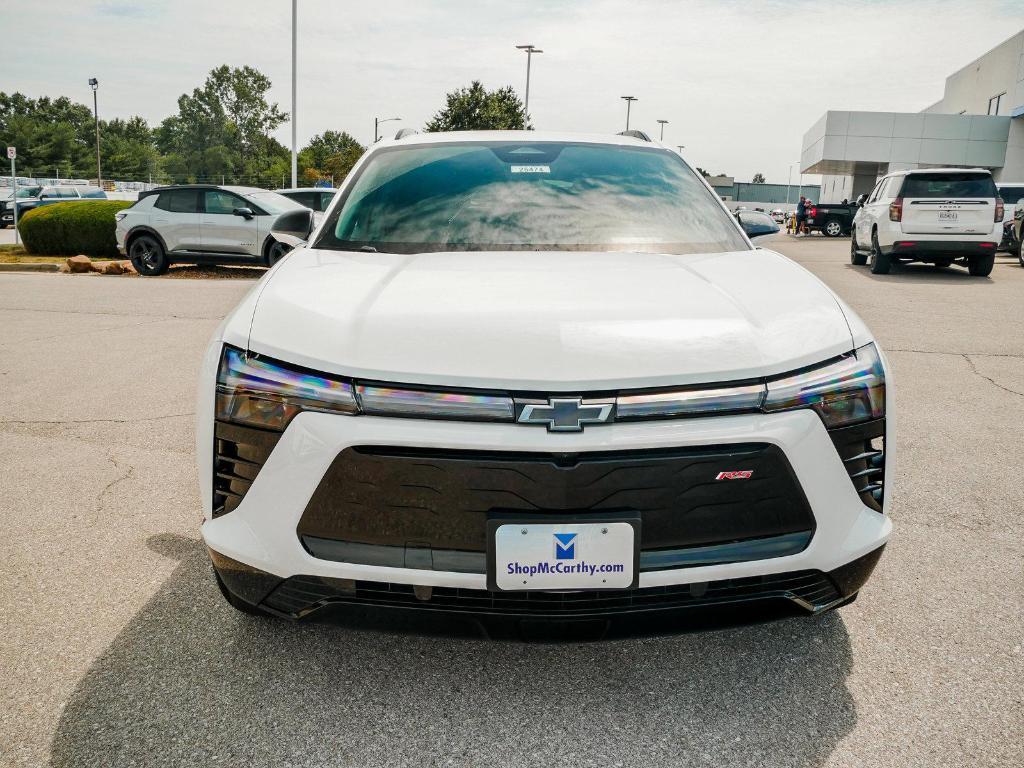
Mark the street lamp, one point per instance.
(789, 180)
(95, 84)
(377, 121)
(681, 148)
(530, 50)
(629, 102)
(663, 124)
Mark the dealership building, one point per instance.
(978, 123)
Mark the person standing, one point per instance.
(801, 217)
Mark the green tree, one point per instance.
(329, 155)
(475, 109)
(223, 127)
(758, 178)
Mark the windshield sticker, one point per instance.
(531, 169)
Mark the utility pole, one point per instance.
(530, 50)
(295, 130)
(377, 121)
(95, 84)
(681, 148)
(663, 124)
(629, 102)
(13, 153)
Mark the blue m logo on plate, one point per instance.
(565, 546)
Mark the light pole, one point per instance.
(681, 148)
(663, 124)
(295, 129)
(789, 180)
(376, 122)
(629, 102)
(530, 50)
(95, 84)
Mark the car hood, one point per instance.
(549, 321)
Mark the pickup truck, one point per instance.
(831, 219)
(48, 196)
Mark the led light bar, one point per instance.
(692, 402)
(391, 401)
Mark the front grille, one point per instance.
(441, 499)
(238, 455)
(299, 595)
(862, 449)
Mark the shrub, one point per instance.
(67, 229)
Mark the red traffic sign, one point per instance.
(11, 153)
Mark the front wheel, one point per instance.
(276, 252)
(981, 266)
(148, 256)
(880, 263)
(833, 228)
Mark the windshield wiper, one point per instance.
(367, 249)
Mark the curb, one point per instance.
(31, 267)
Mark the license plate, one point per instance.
(947, 215)
(560, 556)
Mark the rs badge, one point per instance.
(736, 474)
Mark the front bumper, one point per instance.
(260, 536)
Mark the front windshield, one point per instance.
(488, 196)
(271, 202)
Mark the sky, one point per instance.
(739, 82)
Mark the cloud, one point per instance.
(739, 82)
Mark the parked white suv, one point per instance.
(201, 224)
(539, 375)
(940, 216)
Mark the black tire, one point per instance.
(275, 252)
(880, 263)
(857, 258)
(236, 602)
(832, 228)
(148, 256)
(981, 266)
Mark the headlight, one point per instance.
(261, 394)
(847, 391)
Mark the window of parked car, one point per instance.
(92, 192)
(67, 193)
(1011, 195)
(326, 198)
(486, 196)
(178, 201)
(950, 184)
(219, 201)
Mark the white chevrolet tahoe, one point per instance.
(939, 215)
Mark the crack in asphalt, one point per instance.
(111, 314)
(974, 369)
(106, 489)
(954, 354)
(102, 421)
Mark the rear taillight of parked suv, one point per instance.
(1000, 209)
(896, 209)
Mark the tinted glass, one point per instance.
(1010, 195)
(178, 201)
(948, 185)
(69, 193)
(484, 196)
(218, 201)
(308, 199)
(263, 203)
(92, 192)
(325, 200)
(49, 193)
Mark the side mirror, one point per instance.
(245, 213)
(294, 227)
(1018, 212)
(861, 200)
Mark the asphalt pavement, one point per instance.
(117, 649)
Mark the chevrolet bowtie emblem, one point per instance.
(565, 414)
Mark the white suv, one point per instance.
(540, 375)
(940, 216)
(201, 224)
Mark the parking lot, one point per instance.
(121, 652)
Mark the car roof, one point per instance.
(305, 189)
(454, 137)
(939, 170)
